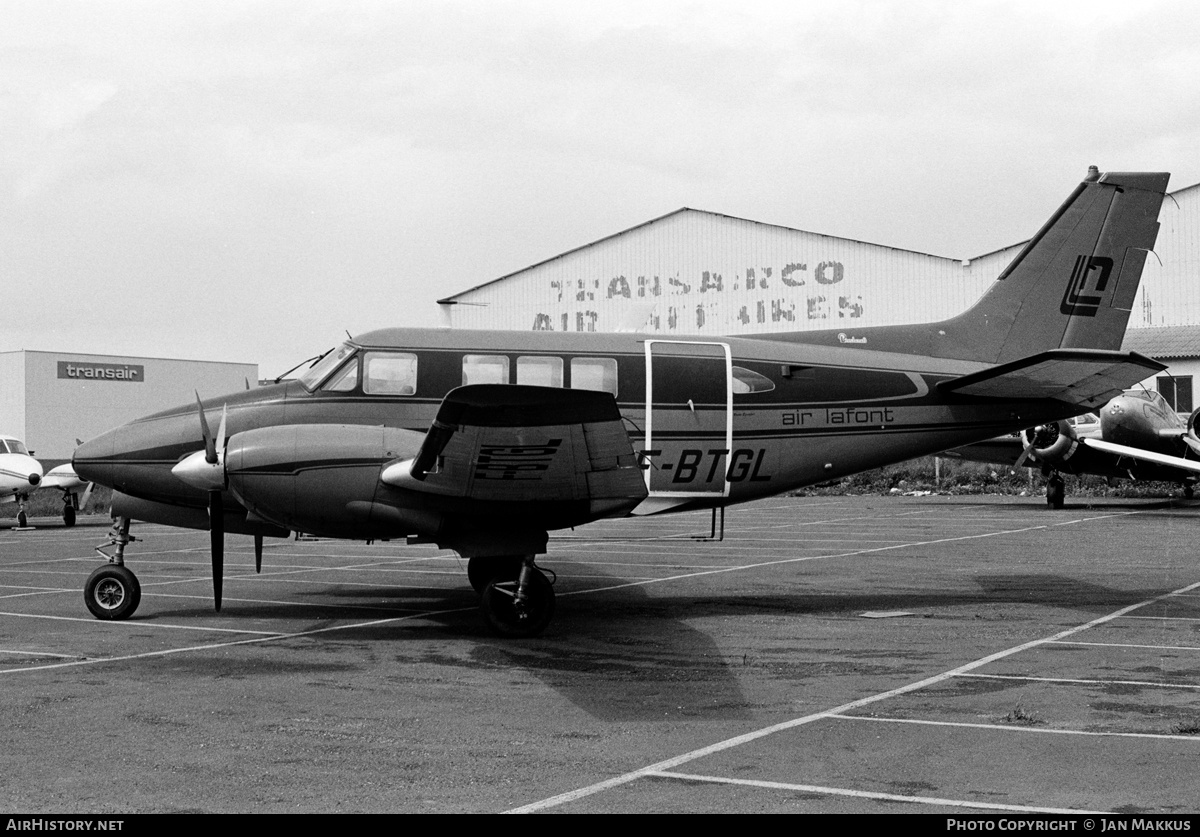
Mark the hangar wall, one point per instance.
(50, 399)
(698, 272)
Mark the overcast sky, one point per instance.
(246, 181)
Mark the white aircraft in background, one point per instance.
(21, 475)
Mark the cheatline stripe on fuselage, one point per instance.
(764, 435)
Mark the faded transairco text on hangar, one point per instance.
(695, 272)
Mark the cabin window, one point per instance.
(13, 446)
(540, 371)
(484, 369)
(595, 373)
(390, 373)
(345, 380)
(746, 380)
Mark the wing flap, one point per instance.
(1078, 376)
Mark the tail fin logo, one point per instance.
(1076, 301)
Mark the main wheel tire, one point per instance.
(1056, 492)
(112, 593)
(22, 520)
(482, 570)
(502, 614)
(69, 515)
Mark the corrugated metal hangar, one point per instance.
(49, 399)
(697, 272)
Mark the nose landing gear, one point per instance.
(113, 592)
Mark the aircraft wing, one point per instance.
(63, 477)
(1144, 455)
(1079, 376)
(492, 442)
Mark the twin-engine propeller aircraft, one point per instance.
(484, 442)
(21, 475)
(1134, 436)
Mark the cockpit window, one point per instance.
(389, 373)
(13, 446)
(331, 361)
(746, 380)
(344, 380)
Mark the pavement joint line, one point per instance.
(1168, 618)
(137, 624)
(40, 654)
(783, 726)
(860, 794)
(302, 605)
(849, 554)
(1082, 681)
(168, 652)
(1132, 645)
(1018, 728)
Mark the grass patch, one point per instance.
(48, 503)
(960, 477)
(1022, 717)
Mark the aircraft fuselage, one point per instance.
(712, 421)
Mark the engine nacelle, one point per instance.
(322, 478)
(1191, 422)
(1052, 444)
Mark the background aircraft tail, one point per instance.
(1071, 287)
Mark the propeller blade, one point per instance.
(1024, 455)
(220, 444)
(1192, 442)
(216, 536)
(210, 446)
(258, 553)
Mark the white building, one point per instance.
(697, 272)
(50, 399)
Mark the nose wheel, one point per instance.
(112, 593)
(520, 606)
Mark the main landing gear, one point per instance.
(1056, 490)
(515, 597)
(112, 592)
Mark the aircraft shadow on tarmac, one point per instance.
(624, 654)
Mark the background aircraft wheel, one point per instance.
(1056, 492)
(22, 520)
(482, 570)
(112, 592)
(69, 515)
(504, 617)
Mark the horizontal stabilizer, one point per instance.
(1077, 376)
(1144, 455)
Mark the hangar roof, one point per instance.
(1164, 341)
(453, 299)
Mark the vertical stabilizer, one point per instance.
(1071, 286)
